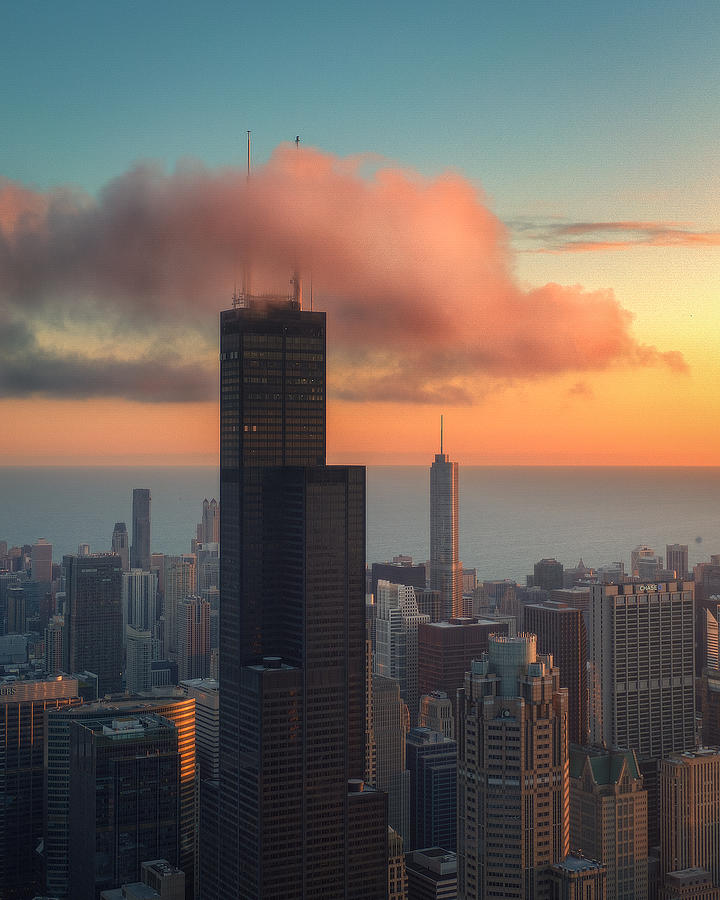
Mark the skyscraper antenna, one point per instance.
(296, 297)
(441, 435)
(246, 264)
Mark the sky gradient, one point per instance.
(509, 212)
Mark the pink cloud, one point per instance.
(416, 274)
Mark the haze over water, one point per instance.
(509, 517)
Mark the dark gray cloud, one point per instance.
(28, 369)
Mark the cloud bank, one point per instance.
(415, 274)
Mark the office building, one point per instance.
(436, 713)
(513, 792)
(207, 567)
(210, 525)
(93, 617)
(548, 575)
(431, 759)
(292, 635)
(608, 817)
(446, 650)
(193, 638)
(41, 561)
(120, 545)
(391, 723)
(640, 552)
(140, 547)
(578, 878)
(55, 646)
(397, 877)
(139, 657)
(690, 812)
(396, 640)
(431, 874)
(689, 884)
(23, 704)
(160, 881)
(178, 583)
(445, 567)
(642, 674)
(139, 599)
(561, 631)
(16, 609)
(400, 571)
(124, 783)
(676, 558)
(179, 710)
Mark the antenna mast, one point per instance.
(441, 435)
(296, 297)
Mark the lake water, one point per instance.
(510, 517)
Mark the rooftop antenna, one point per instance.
(246, 264)
(441, 435)
(296, 282)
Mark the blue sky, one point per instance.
(543, 103)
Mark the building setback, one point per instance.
(292, 623)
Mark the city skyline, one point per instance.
(514, 192)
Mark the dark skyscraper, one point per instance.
(93, 617)
(445, 571)
(292, 609)
(140, 549)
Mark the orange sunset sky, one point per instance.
(509, 215)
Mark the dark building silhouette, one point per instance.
(548, 575)
(561, 630)
(124, 783)
(431, 759)
(292, 635)
(140, 548)
(24, 703)
(175, 708)
(93, 617)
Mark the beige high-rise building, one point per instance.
(193, 638)
(608, 817)
(690, 812)
(641, 651)
(41, 561)
(513, 788)
(178, 583)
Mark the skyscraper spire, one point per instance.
(441, 434)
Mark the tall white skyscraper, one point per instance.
(396, 640)
(445, 570)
